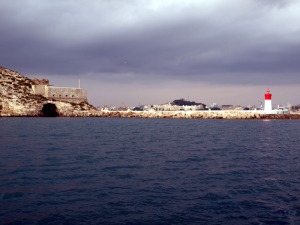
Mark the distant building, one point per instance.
(172, 107)
(69, 94)
(227, 107)
(214, 106)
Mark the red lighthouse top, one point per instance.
(268, 95)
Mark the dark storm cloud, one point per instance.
(221, 41)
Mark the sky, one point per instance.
(133, 52)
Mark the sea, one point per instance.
(149, 171)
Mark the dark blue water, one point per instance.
(149, 171)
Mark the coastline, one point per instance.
(226, 114)
(24, 97)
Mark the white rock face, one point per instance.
(16, 94)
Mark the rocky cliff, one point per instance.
(17, 99)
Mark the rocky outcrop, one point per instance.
(17, 99)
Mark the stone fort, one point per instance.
(69, 94)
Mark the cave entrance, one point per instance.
(50, 110)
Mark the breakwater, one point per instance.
(234, 114)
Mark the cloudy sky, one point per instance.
(131, 52)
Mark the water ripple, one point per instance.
(149, 171)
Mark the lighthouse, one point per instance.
(268, 102)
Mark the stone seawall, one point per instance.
(179, 114)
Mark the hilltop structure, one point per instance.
(67, 94)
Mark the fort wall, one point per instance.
(40, 89)
(67, 94)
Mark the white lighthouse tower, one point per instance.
(268, 102)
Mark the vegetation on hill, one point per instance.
(296, 107)
(182, 102)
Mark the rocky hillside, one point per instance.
(18, 99)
